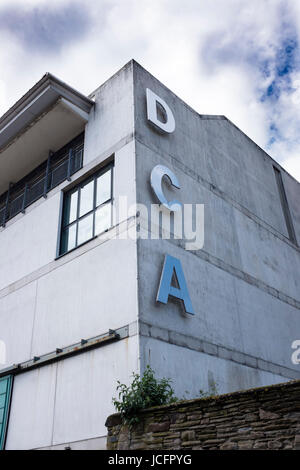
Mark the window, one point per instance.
(5, 392)
(87, 210)
(285, 206)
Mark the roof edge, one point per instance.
(47, 80)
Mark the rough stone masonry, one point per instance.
(261, 418)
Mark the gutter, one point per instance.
(59, 354)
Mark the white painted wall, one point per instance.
(28, 242)
(70, 400)
(86, 297)
(31, 416)
(111, 121)
(47, 303)
(17, 320)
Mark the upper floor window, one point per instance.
(58, 167)
(87, 210)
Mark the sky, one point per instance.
(237, 58)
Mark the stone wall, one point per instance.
(261, 418)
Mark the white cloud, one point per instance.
(292, 165)
(209, 53)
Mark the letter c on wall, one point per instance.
(157, 174)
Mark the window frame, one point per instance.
(63, 227)
(285, 206)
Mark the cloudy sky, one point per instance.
(239, 58)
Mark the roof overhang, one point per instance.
(47, 117)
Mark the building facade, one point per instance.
(95, 280)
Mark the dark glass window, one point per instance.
(87, 210)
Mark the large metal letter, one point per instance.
(173, 266)
(152, 102)
(157, 174)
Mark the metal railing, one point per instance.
(59, 166)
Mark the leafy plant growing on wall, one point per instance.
(144, 392)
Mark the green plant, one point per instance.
(143, 392)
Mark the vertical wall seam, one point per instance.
(34, 319)
(54, 404)
(139, 357)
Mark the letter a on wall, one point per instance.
(172, 269)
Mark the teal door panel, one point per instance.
(5, 392)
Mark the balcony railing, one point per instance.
(59, 166)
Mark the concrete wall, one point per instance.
(244, 283)
(214, 151)
(111, 121)
(48, 303)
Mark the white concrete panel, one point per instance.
(192, 371)
(112, 117)
(87, 296)
(29, 243)
(16, 323)
(85, 387)
(32, 406)
(124, 179)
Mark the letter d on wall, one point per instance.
(152, 113)
(173, 266)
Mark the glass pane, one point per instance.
(68, 239)
(3, 385)
(2, 400)
(85, 229)
(103, 188)
(87, 198)
(77, 160)
(102, 218)
(71, 208)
